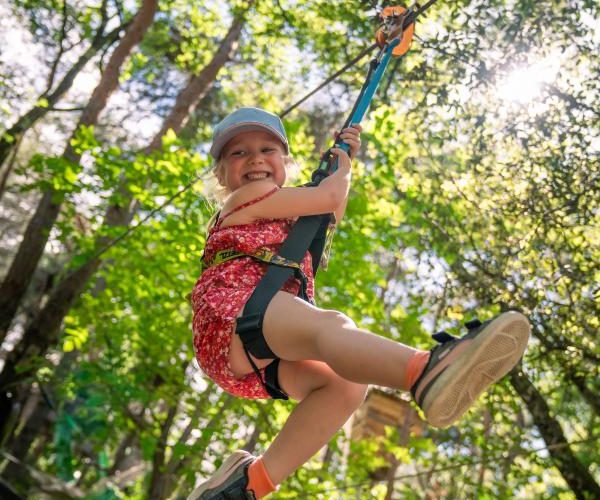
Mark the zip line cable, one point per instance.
(197, 179)
(131, 229)
(330, 79)
(408, 20)
(454, 466)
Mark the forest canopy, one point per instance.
(475, 192)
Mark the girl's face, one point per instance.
(250, 157)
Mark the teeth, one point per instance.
(257, 175)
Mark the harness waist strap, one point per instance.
(262, 254)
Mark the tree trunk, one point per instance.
(39, 335)
(36, 235)
(572, 470)
(199, 85)
(177, 464)
(31, 426)
(159, 478)
(21, 271)
(121, 453)
(45, 328)
(5, 173)
(252, 441)
(590, 397)
(10, 137)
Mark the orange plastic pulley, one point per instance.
(392, 25)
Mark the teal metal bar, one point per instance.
(364, 101)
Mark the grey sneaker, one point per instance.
(459, 370)
(229, 482)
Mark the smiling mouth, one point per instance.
(256, 176)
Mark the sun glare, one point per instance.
(524, 84)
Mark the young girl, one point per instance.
(322, 359)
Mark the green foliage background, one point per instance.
(462, 204)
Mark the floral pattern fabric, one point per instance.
(222, 291)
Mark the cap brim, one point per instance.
(238, 128)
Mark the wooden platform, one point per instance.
(382, 409)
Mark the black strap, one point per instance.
(308, 234)
(319, 241)
(294, 248)
(249, 325)
(271, 380)
(472, 324)
(443, 337)
(237, 493)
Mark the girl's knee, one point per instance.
(301, 378)
(336, 319)
(349, 395)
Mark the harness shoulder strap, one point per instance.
(249, 325)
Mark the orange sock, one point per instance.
(416, 365)
(258, 479)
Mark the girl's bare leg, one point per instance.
(296, 330)
(326, 402)
(331, 386)
(349, 358)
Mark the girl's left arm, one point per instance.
(350, 136)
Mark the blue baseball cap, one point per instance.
(246, 120)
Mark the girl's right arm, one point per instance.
(291, 202)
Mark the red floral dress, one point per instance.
(222, 291)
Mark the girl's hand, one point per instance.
(351, 136)
(344, 161)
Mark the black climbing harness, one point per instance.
(310, 233)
